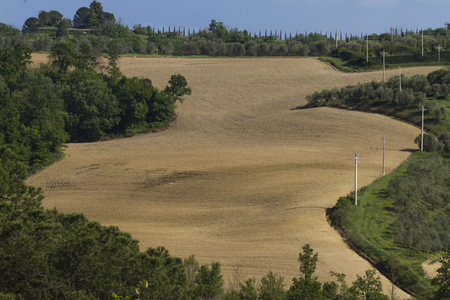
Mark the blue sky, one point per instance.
(350, 16)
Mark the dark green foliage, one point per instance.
(81, 17)
(13, 64)
(271, 287)
(307, 286)
(165, 274)
(442, 280)
(368, 287)
(31, 25)
(86, 61)
(113, 57)
(422, 197)
(64, 56)
(430, 143)
(208, 283)
(177, 88)
(92, 110)
(39, 104)
(48, 255)
(49, 18)
(247, 290)
(439, 76)
(62, 29)
(45, 254)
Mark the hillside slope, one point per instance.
(240, 177)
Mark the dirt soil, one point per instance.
(240, 177)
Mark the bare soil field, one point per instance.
(241, 177)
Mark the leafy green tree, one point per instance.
(55, 17)
(40, 107)
(247, 290)
(62, 29)
(113, 56)
(85, 60)
(81, 17)
(51, 18)
(306, 287)
(177, 88)
(218, 29)
(308, 260)
(164, 273)
(30, 25)
(13, 64)
(271, 287)
(135, 96)
(96, 15)
(93, 110)
(368, 287)
(44, 18)
(209, 282)
(161, 110)
(12, 174)
(64, 56)
(442, 279)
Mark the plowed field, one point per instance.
(241, 177)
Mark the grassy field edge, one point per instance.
(366, 229)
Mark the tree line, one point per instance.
(400, 96)
(96, 27)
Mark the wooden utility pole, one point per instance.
(400, 77)
(367, 48)
(421, 137)
(439, 53)
(357, 160)
(384, 65)
(422, 43)
(336, 38)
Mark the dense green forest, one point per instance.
(70, 100)
(405, 217)
(97, 28)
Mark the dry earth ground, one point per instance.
(240, 178)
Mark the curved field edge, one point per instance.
(366, 229)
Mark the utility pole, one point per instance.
(439, 53)
(421, 138)
(367, 48)
(400, 77)
(384, 65)
(422, 43)
(357, 160)
(384, 138)
(336, 38)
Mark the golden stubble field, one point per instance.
(240, 177)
